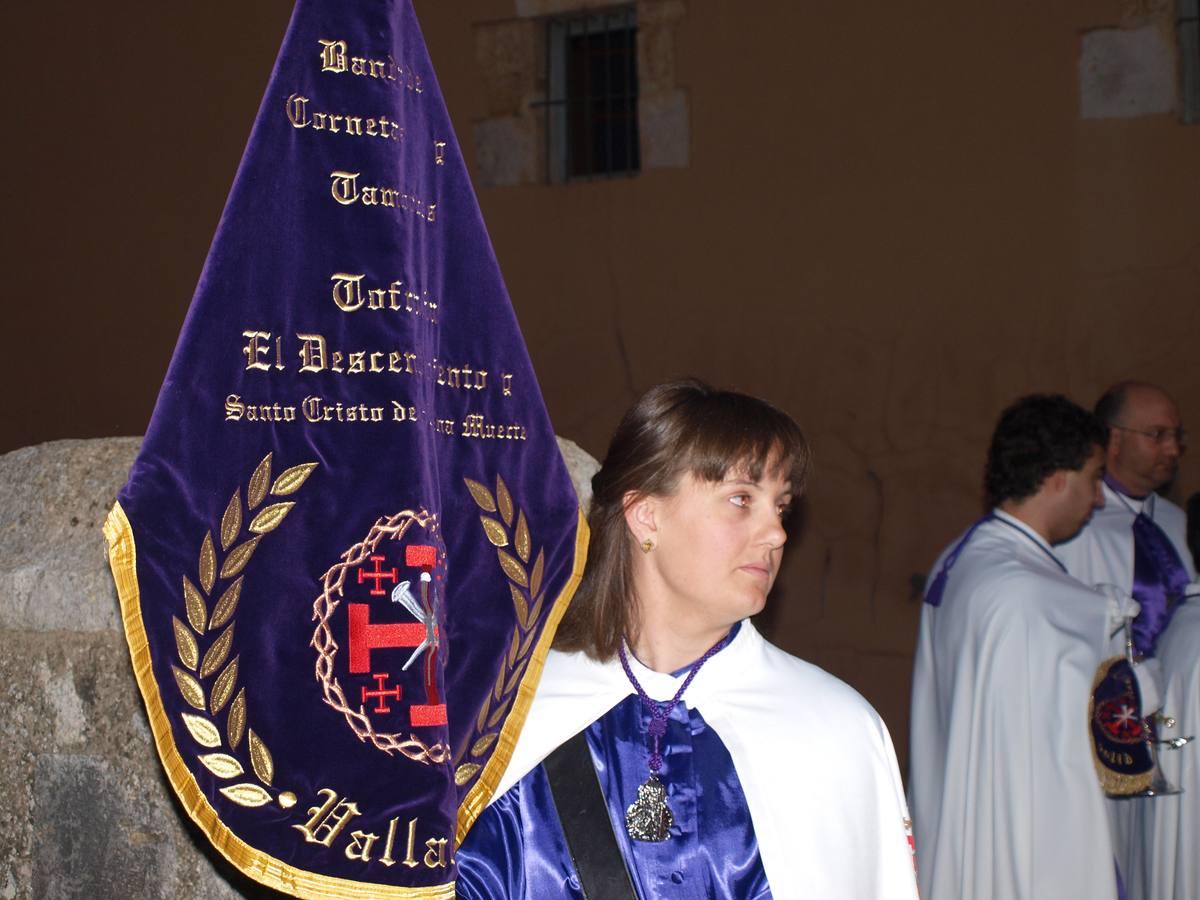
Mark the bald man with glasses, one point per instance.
(1138, 542)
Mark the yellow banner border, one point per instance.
(260, 866)
(480, 794)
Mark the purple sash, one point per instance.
(1159, 582)
(1160, 579)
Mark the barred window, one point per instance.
(1189, 58)
(592, 95)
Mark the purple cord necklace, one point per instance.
(649, 818)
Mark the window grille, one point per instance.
(591, 101)
(1189, 56)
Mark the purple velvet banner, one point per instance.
(349, 535)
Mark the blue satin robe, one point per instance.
(517, 849)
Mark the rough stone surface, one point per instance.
(509, 52)
(510, 140)
(663, 120)
(582, 466)
(1125, 73)
(96, 833)
(665, 131)
(507, 142)
(505, 151)
(55, 498)
(87, 810)
(537, 8)
(657, 20)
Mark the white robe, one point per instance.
(1006, 802)
(1171, 825)
(1102, 553)
(815, 761)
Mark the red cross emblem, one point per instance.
(366, 636)
(381, 693)
(377, 575)
(1120, 719)
(360, 633)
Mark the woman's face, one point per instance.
(717, 548)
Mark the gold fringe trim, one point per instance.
(1112, 782)
(263, 868)
(484, 787)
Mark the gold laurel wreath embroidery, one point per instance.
(412, 747)
(527, 596)
(199, 668)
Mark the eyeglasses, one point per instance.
(1160, 435)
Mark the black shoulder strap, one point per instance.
(585, 822)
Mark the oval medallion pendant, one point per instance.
(648, 817)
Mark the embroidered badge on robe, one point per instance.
(1122, 737)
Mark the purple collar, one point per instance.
(1112, 482)
(1127, 499)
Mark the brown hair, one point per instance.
(684, 427)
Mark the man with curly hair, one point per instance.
(1005, 800)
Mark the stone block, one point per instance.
(538, 8)
(96, 834)
(656, 54)
(1126, 73)
(54, 499)
(582, 466)
(665, 130)
(656, 12)
(505, 151)
(82, 782)
(509, 58)
(648, 10)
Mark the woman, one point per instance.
(727, 768)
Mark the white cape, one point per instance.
(814, 759)
(1171, 825)
(1006, 802)
(1102, 553)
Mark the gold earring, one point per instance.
(647, 545)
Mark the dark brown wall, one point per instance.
(124, 126)
(893, 223)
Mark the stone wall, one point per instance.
(511, 140)
(87, 811)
